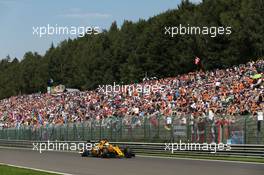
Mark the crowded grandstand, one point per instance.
(221, 94)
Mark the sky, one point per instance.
(18, 17)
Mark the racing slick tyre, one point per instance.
(128, 153)
(105, 153)
(85, 153)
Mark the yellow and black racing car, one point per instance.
(104, 149)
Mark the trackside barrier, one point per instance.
(158, 129)
(248, 150)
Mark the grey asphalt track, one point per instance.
(74, 164)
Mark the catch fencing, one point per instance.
(244, 130)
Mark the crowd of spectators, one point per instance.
(228, 93)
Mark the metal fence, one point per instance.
(246, 130)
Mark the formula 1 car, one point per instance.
(105, 150)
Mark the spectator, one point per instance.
(229, 91)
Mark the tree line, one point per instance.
(127, 53)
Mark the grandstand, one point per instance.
(219, 98)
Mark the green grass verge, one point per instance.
(9, 170)
(227, 158)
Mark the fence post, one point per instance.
(91, 130)
(52, 136)
(7, 134)
(22, 133)
(41, 133)
(158, 132)
(121, 128)
(195, 131)
(111, 130)
(67, 132)
(245, 130)
(16, 133)
(258, 131)
(149, 130)
(28, 136)
(144, 125)
(83, 132)
(130, 130)
(61, 138)
(172, 128)
(74, 131)
(100, 129)
(187, 129)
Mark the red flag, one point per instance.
(197, 60)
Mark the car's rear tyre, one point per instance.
(85, 153)
(128, 153)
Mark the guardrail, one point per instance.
(245, 150)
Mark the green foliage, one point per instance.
(126, 54)
(8, 170)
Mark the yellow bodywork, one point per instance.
(98, 149)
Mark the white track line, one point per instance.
(35, 169)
